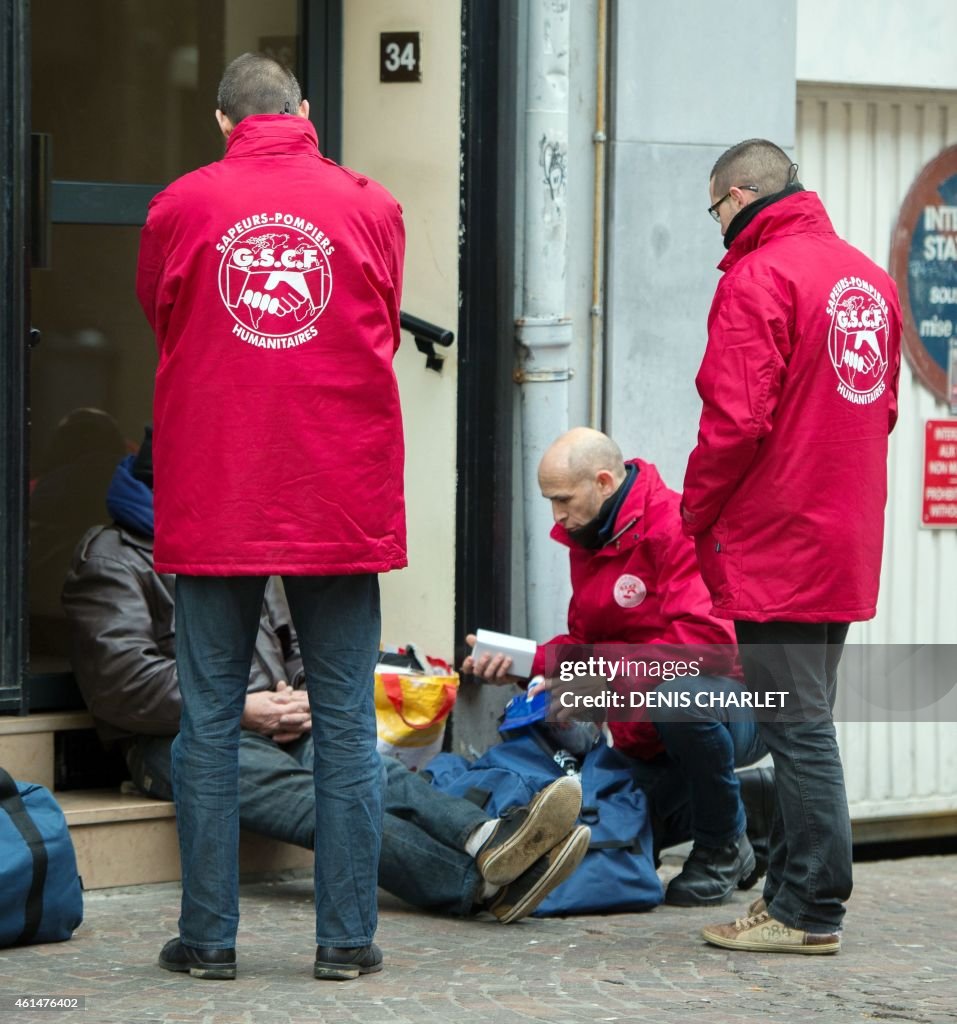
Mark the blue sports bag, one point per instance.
(618, 872)
(41, 897)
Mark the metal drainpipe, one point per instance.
(544, 330)
(600, 139)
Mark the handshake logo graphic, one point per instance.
(276, 280)
(857, 341)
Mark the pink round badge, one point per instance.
(629, 591)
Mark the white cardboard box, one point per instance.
(518, 648)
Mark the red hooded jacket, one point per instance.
(785, 491)
(272, 280)
(643, 587)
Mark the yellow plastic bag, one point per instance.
(411, 710)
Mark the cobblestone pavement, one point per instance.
(899, 963)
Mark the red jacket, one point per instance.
(785, 491)
(642, 588)
(272, 279)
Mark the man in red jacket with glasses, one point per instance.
(784, 495)
(272, 280)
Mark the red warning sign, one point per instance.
(940, 474)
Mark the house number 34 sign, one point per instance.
(400, 57)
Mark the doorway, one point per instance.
(119, 100)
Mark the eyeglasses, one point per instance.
(713, 210)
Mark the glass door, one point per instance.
(122, 95)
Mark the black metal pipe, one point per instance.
(426, 331)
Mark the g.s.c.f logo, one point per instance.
(275, 279)
(857, 340)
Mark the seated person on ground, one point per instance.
(439, 852)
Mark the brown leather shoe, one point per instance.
(762, 934)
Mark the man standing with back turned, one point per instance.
(785, 496)
(272, 279)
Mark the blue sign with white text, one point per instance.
(932, 273)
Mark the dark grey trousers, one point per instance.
(810, 873)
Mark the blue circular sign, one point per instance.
(924, 265)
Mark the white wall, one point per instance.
(689, 81)
(881, 42)
(407, 137)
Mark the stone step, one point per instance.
(128, 839)
(27, 742)
(120, 838)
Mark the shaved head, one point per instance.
(256, 84)
(577, 473)
(753, 162)
(581, 453)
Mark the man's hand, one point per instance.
(493, 668)
(572, 701)
(282, 714)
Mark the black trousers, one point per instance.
(810, 872)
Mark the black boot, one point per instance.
(711, 874)
(759, 797)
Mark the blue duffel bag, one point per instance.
(41, 897)
(618, 872)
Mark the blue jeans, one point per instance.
(810, 873)
(692, 788)
(423, 859)
(338, 623)
(423, 844)
(275, 783)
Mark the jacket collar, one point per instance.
(802, 213)
(126, 538)
(632, 511)
(747, 214)
(272, 135)
(134, 540)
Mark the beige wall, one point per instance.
(407, 137)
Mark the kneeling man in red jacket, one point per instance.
(635, 581)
